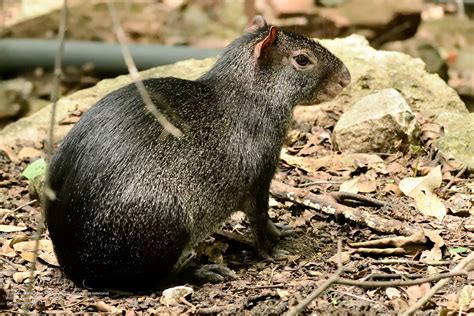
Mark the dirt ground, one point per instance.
(271, 287)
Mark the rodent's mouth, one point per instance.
(327, 94)
(332, 89)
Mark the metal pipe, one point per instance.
(19, 54)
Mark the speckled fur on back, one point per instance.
(130, 203)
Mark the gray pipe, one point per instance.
(18, 54)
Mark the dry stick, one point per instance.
(132, 68)
(343, 196)
(47, 192)
(301, 306)
(459, 267)
(457, 176)
(329, 206)
(371, 284)
(23, 205)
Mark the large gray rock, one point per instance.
(458, 138)
(373, 70)
(380, 122)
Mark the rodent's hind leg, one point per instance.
(212, 273)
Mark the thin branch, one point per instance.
(371, 284)
(302, 305)
(341, 197)
(457, 176)
(132, 68)
(23, 205)
(328, 205)
(47, 192)
(459, 267)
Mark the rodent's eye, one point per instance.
(301, 60)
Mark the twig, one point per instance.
(412, 262)
(308, 184)
(329, 206)
(343, 196)
(262, 287)
(459, 267)
(14, 265)
(25, 204)
(451, 182)
(47, 192)
(370, 284)
(355, 296)
(301, 306)
(132, 68)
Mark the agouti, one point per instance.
(131, 204)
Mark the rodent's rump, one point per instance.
(130, 203)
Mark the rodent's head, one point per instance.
(295, 64)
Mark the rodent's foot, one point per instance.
(284, 230)
(280, 254)
(279, 230)
(213, 273)
(276, 254)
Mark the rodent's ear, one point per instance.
(267, 41)
(257, 22)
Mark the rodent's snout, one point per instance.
(344, 77)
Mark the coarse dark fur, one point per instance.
(129, 203)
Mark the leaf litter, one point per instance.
(441, 240)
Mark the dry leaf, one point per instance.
(345, 257)
(367, 186)
(465, 296)
(392, 187)
(6, 250)
(416, 292)
(392, 293)
(334, 162)
(43, 245)
(19, 277)
(11, 228)
(350, 186)
(421, 190)
(101, 306)
(49, 258)
(45, 251)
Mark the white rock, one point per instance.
(380, 122)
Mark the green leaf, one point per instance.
(35, 169)
(458, 250)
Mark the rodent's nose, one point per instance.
(344, 76)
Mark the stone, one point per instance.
(373, 70)
(379, 123)
(458, 138)
(14, 97)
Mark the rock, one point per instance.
(458, 138)
(380, 122)
(373, 70)
(175, 295)
(14, 98)
(370, 70)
